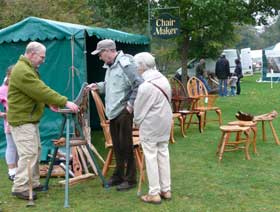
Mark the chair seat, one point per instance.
(185, 112)
(226, 145)
(243, 123)
(176, 115)
(233, 128)
(207, 108)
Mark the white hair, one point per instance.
(145, 60)
(34, 47)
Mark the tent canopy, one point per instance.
(50, 30)
(68, 62)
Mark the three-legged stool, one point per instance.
(268, 118)
(226, 145)
(253, 127)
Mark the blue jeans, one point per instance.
(204, 82)
(223, 87)
(232, 91)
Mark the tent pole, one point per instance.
(72, 67)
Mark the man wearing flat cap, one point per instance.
(120, 87)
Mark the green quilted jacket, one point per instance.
(27, 95)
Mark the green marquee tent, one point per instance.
(68, 61)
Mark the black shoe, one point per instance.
(113, 182)
(39, 188)
(12, 177)
(24, 195)
(125, 186)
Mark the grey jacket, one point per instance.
(120, 85)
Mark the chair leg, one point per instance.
(225, 138)
(171, 139)
(263, 131)
(182, 125)
(204, 119)
(200, 117)
(254, 130)
(247, 145)
(107, 162)
(274, 133)
(190, 121)
(220, 144)
(219, 113)
(138, 156)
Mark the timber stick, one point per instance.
(81, 154)
(89, 159)
(78, 179)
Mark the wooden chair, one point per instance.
(182, 106)
(105, 124)
(205, 102)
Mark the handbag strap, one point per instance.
(160, 89)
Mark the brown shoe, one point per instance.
(165, 195)
(153, 199)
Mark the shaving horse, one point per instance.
(77, 138)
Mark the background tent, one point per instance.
(68, 61)
(271, 65)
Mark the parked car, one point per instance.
(209, 66)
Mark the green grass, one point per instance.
(199, 182)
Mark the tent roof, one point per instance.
(49, 30)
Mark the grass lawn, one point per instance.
(199, 182)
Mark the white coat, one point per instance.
(152, 111)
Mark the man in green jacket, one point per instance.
(27, 97)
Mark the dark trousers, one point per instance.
(121, 132)
(238, 88)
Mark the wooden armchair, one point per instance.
(205, 102)
(105, 124)
(182, 106)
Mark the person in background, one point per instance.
(200, 72)
(27, 96)
(238, 72)
(232, 82)
(153, 115)
(11, 150)
(120, 87)
(222, 72)
(178, 74)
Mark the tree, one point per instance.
(12, 11)
(207, 26)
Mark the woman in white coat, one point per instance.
(153, 116)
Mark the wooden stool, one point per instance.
(268, 117)
(224, 142)
(253, 127)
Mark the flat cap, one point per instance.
(104, 44)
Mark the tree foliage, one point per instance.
(12, 11)
(249, 36)
(207, 26)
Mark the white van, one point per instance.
(246, 61)
(231, 55)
